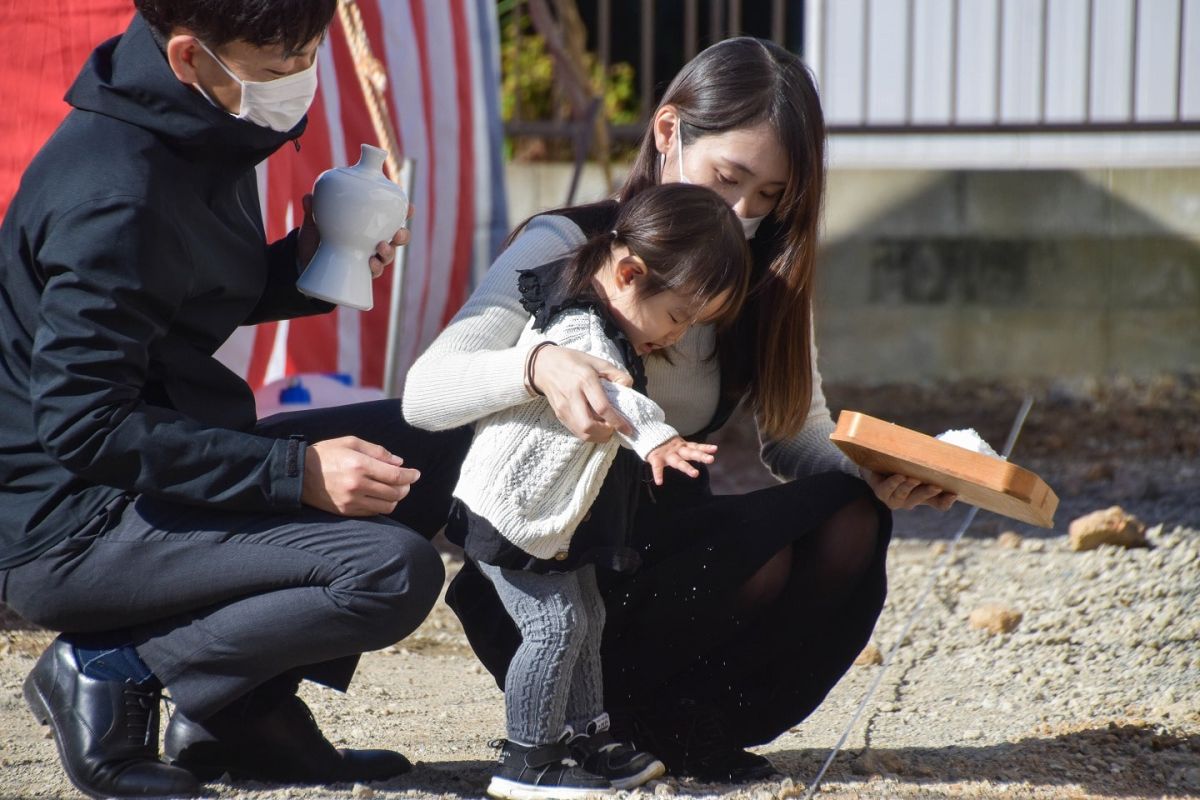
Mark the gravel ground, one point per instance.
(1094, 694)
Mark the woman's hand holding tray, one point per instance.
(990, 483)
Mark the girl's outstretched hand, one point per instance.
(676, 453)
(901, 492)
(570, 380)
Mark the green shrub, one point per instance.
(528, 92)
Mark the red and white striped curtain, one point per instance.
(442, 67)
(45, 44)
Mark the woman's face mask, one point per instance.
(279, 104)
(746, 166)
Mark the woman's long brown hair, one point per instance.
(740, 83)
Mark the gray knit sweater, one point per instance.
(475, 367)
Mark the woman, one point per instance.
(747, 609)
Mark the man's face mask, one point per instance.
(749, 224)
(279, 104)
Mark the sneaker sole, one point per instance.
(504, 789)
(648, 774)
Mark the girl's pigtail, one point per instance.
(585, 262)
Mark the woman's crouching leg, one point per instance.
(795, 622)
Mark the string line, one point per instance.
(936, 574)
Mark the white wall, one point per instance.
(1009, 62)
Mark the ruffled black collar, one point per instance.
(544, 296)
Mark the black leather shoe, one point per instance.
(281, 744)
(106, 731)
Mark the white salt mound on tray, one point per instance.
(968, 439)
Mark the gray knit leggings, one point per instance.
(554, 680)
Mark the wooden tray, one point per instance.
(980, 480)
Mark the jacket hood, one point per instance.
(128, 78)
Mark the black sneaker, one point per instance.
(534, 772)
(624, 765)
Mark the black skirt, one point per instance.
(602, 538)
(697, 549)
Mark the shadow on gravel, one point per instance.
(466, 779)
(1148, 763)
(1125, 760)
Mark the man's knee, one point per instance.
(392, 584)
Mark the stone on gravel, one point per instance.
(1010, 540)
(869, 657)
(1108, 526)
(994, 618)
(361, 791)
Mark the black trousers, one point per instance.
(672, 633)
(219, 602)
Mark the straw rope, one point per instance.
(373, 80)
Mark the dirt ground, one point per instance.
(1095, 693)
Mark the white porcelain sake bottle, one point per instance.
(355, 208)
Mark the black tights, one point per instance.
(823, 570)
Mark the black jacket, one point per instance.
(132, 250)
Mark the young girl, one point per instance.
(542, 510)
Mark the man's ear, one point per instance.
(182, 48)
(630, 270)
(666, 127)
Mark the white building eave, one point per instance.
(1154, 149)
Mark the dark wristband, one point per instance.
(529, 359)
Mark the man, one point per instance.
(173, 539)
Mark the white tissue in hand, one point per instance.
(968, 439)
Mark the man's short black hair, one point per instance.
(289, 23)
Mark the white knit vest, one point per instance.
(529, 476)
